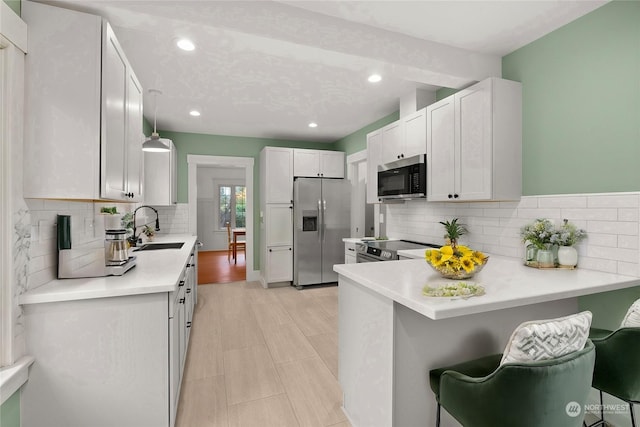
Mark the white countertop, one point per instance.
(412, 253)
(361, 239)
(507, 282)
(155, 271)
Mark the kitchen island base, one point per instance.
(386, 351)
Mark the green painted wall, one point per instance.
(10, 411)
(220, 145)
(581, 104)
(357, 141)
(16, 5)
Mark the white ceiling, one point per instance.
(266, 69)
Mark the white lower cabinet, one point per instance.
(350, 253)
(279, 264)
(105, 362)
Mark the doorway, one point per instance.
(205, 186)
(362, 213)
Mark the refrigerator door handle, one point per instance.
(320, 220)
(324, 211)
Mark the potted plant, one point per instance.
(539, 234)
(112, 219)
(149, 232)
(566, 236)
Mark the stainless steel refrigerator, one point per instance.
(321, 220)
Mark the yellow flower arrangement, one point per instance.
(456, 262)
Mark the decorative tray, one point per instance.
(457, 290)
(534, 264)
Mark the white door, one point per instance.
(279, 264)
(279, 175)
(391, 142)
(474, 139)
(114, 132)
(374, 158)
(306, 163)
(135, 138)
(279, 225)
(332, 164)
(441, 153)
(415, 133)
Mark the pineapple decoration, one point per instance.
(453, 232)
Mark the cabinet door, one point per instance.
(415, 133)
(474, 142)
(374, 154)
(392, 142)
(279, 264)
(440, 147)
(279, 225)
(332, 164)
(306, 163)
(135, 138)
(279, 175)
(114, 119)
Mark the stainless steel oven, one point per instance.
(385, 250)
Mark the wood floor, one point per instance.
(262, 357)
(214, 267)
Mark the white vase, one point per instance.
(567, 256)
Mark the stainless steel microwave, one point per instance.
(404, 179)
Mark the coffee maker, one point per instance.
(92, 259)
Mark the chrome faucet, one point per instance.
(134, 239)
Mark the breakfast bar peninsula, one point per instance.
(391, 335)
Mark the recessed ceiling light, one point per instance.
(374, 78)
(194, 113)
(313, 125)
(186, 44)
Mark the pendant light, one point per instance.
(155, 143)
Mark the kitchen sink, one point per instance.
(158, 246)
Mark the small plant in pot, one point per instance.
(566, 237)
(149, 232)
(112, 219)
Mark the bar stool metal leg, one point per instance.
(633, 418)
(438, 416)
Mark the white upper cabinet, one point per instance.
(83, 108)
(318, 163)
(160, 176)
(391, 142)
(405, 138)
(374, 154)
(276, 183)
(475, 143)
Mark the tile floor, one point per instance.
(262, 357)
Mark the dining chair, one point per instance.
(617, 368)
(541, 390)
(230, 244)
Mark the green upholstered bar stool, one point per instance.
(527, 386)
(617, 369)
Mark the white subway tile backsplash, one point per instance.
(628, 214)
(599, 214)
(609, 240)
(613, 227)
(624, 200)
(628, 242)
(532, 214)
(562, 202)
(611, 221)
(628, 268)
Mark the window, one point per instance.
(233, 205)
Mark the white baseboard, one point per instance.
(254, 276)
